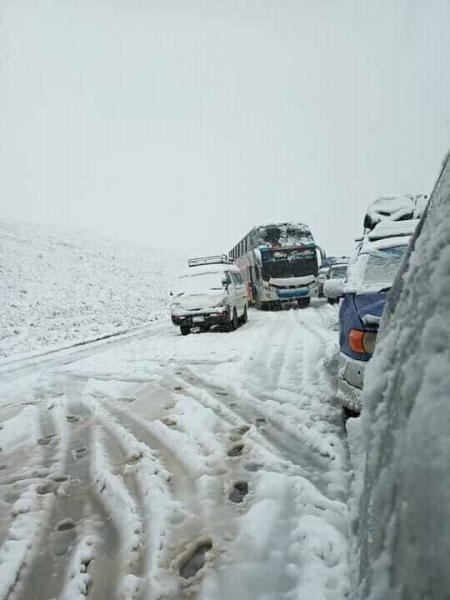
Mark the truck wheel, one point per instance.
(185, 329)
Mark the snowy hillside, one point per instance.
(59, 286)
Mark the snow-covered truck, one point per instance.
(279, 263)
(389, 225)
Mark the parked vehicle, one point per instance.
(321, 279)
(211, 292)
(404, 519)
(369, 277)
(336, 271)
(279, 264)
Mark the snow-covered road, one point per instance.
(211, 466)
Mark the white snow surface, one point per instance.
(211, 466)
(61, 286)
(403, 485)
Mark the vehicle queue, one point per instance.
(280, 265)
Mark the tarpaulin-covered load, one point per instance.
(395, 208)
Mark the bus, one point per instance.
(279, 263)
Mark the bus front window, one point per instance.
(284, 265)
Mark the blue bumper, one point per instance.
(293, 293)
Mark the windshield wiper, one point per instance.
(385, 289)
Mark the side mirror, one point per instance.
(322, 252)
(333, 288)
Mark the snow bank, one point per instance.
(404, 533)
(61, 286)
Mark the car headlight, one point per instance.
(362, 342)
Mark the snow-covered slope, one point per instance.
(405, 511)
(60, 286)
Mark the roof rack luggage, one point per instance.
(209, 260)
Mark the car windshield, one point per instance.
(338, 272)
(382, 266)
(284, 264)
(200, 283)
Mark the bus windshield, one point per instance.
(285, 264)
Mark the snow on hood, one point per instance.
(198, 301)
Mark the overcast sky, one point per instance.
(183, 123)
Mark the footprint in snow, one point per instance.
(195, 559)
(78, 453)
(169, 421)
(47, 487)
(239, 491)
(236, 450)
(65, 525)
(73, 418)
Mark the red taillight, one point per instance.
(355, 341)
(362, 342)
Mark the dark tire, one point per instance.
(185, 330)
(234, 323)
(303, 302)
(244, 317)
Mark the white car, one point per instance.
(211, 292)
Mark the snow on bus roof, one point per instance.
(283, 234)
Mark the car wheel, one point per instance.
(185, 330)
(303, 302)
(245, 315)
(234, 323)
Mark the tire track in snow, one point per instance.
(71, 504)
(293, 426)
(202, 514)
(271, 437)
